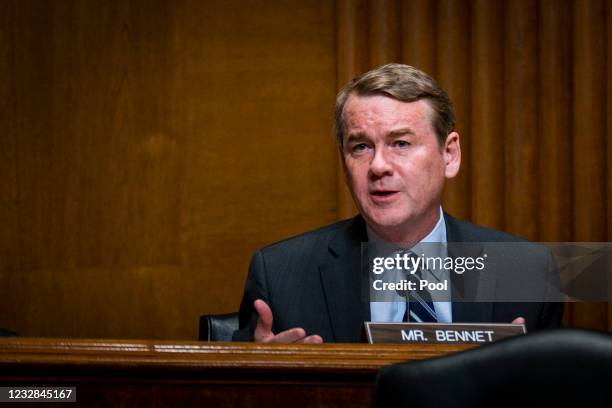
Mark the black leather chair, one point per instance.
(7, 333)
(218, 327)
(560, 368)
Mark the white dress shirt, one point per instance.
(394, 311)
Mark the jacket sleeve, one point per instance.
(551, 313)
(254, 288)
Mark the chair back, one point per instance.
(557, 368)
(218, 327)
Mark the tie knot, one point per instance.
(410, 263)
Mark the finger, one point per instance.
(519, 320)
(288, 336)
(263, 330)
(313, 339)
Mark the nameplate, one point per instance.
(440, 333)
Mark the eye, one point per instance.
(359, 147)
(401, 144)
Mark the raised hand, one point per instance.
(263, 331)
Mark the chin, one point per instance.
(389, 223)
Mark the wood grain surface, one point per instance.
(161, 373)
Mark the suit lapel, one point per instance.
(342, 283)
(342, 280)
(466, 287)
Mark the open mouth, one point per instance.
(382, 192)
(380, 195)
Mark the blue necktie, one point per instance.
(419, 307)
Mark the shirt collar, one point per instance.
(437, 234)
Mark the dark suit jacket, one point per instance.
(313, 281)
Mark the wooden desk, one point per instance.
(161, 373)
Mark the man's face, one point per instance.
(394, 165)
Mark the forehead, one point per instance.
(385, 113)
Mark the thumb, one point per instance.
(264, 322)
(519, 320)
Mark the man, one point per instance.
(394, 127)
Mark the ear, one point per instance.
(452, 155)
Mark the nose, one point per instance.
(380, 165)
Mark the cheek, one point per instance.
(354, 174)
(422, 176)
(432, 165)
(354, 182)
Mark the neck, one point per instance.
(410, 234)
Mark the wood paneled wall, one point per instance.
(531, 82)
(147, 148)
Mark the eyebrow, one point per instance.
(402, 131)
(355, 137)
(359, 136)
